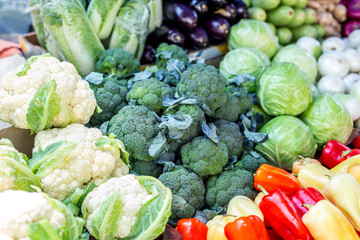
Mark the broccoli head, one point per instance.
(204, 157)
(229, 134)
(222, 188)
(205, 84)
(148, 168)
(149, 92)
(231, 110)
(110, 96)
(117, 62)
(135, 126)
(246, 102)
(251, 161)
(188, 191)
(165, 52)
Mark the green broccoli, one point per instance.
(110, 96)
(204, 157)
(231, 110)
(135, 126)
(205, 84)
(165, 52)
(245, 100)
(188, 191)
(149, 168)
(149, 92)
(229, 134)
(117, 62)
(222, 188)
(251, 161)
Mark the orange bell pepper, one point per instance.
(246, 228)
(355, 171)
(192, 229)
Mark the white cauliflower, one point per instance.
(18, 209)
(83, 163)
(73, 101)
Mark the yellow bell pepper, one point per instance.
(258, 198)
(355, 171)
(345, 165)
(314, 175)
(216, 227)
(343, 190)
(241, 206)
(326, 222)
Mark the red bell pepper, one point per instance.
(333, 152)
(247, 228)
(352, 153)
(192, 229)
(273, 235)
(283, 216)
(356, 142)
(306, 196)
(272, 178)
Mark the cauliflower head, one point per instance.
(204, 157)
(19, 210)
(82, 155)
(44, 93)
(229, 134)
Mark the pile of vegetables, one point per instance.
(353, 16)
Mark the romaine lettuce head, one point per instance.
(328, 119)
(283, 89)
(302, 58)
(253, 33)
(289, 137)
(243, 60)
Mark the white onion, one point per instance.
(311, 45)
(333, 44)
(333, 63)
(346, 41)
(355, 91)
(331, 84)
(354, 39)
(351, 104)
(354, 59)
(350, 80)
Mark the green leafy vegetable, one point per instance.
(43, 230)
(28, 63)
(112, 141)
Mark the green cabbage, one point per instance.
(289, 137)
(253, 33)
(328, 119)
(302, 58)
(243, 60)
(283, 89)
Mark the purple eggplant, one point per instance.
(181, 14)
(216, 3)
(228, 11)
(241, 10)
(200, 6)
(198, 38)
(148, 54)
(170, 35)
(217, 27)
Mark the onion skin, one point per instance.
(353, 8)
(350, 26)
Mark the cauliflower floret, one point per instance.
(84, 164)
(77, 99)
(19, 208)
(133, 195)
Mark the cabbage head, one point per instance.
(253, 33)
(243, 60)
(328, 119)
(289, 137)
(283, 89)
(302, 58)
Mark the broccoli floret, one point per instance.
(149, 92)
(135, 126)
(205, 84)
(148, 168)
(188, 191)
(222, 188)
(251, 161)
(117, 62)
(204, 157)
(110, 96)
(229, 134)
(231, 110)
(246, 102)
(165, 52)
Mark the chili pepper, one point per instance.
(273, 235)
(356, 142)
(314, 175)
(246, 228)
(271, 178)
(352, 153)
(355, 171)
(283, 216)
(298, 164)
(241, 206)
(216, 227)
(333, 152)
(345, 165)
(192, 229)
(306, 196)
(344, 192)
(326, 222)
